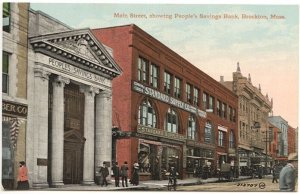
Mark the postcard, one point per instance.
(150, 96)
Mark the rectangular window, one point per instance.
(154, 75)
(167, 83)
(211, 103)
(142, 70)
(188, 88)
(204, 101)
(207, 135)
(219, 108)
(6, 17)
(233, 115)
(5, 77)
(230, 113)
(177, 87)
(223, 111)
(221, 139)
(196, 97)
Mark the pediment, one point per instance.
(80, 47)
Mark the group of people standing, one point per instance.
(123, 173)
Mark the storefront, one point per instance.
(199, 155)
(158, 150)
(14, 117)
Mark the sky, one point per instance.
(267, 49)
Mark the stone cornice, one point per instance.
(80, 47)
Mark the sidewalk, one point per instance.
(151, 185)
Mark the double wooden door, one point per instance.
(73, 162)
(74, 136)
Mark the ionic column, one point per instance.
(103, 127)
(58, 131)
(89, 130)
(40, 125)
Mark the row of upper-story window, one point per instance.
(148, 73)
(147, 116)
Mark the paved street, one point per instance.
(252, 185)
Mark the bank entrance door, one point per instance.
(73, 151)
(74, 136)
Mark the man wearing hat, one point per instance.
(288, 174)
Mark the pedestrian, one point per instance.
(173, 174)
(23, 177)
(275, 174)
(288, 174)
(116, 171)
(124, 173)
(135, 174)
(104, 173)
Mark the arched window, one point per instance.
(231, 139)
(172, 121)
(191, 133)
(147, 115)
(208, 133)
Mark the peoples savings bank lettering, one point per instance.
(76, 71)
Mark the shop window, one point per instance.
(208, 133)
(147, 115)
(167, 82)
(172, 121)
(144, 157)
(7, 153)
(177, 88)
(154, 76)
(6, 17)
(5, 76)
(142, 70)
(170, 157)
(191, 128)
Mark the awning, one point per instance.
(196, 157)
(222, 153)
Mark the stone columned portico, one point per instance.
(70, 84)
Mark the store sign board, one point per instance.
(160, 133)
(167, 99)
(15, 109)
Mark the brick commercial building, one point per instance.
(172, 112)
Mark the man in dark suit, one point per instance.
(116, 171)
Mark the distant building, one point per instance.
(274, 144)
(292, 139)
(14, 90)
(253, 112)
(173, 113)
(282, 125)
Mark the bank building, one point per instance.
(69, 124)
